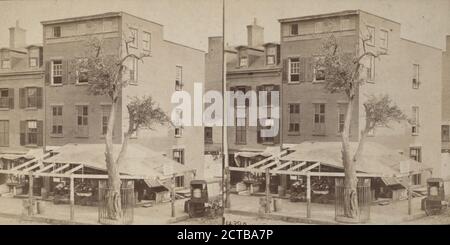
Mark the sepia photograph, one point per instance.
(224, 112)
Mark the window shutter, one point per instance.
(39, 98)
(71, 71)
(47, 72)
(302, 69)
(22, 98)
(258, 127)
(276, 139)
(11, 98)
(285, 70)
(23, 128)
(309, 69)
(40, 140)
(64, 76)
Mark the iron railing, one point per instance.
(364, 201)
(127, 207)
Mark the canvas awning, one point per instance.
(308, 157)
(70, 160)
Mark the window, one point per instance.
(416, 179)
(371, 68)
(319, 119)
(342, 111)
(319, 71)
(6, 98)
(294, 118)
(82, 72)
(179, 123)
(33, 62)
(133, 71)
(270, 59)
(179, 78)
(415, 153)
(57, 31)
(445, 133)
(415, 120)
(294, 29)
(416, 78)
(106, 111)
(178, 155)
(345, 24)
(31, 97)
(266, 125)
(4, 133)
(243, 61)
(371, 35)
(241, 130)
(208, 135)
(270, 55)
(384, 39)
(57, 120)
(318, 27)
(179, 181)
(6, 64)
(82, 120)
(32, 132)
(294, 70)
(133, 38)
(56, 72)
(146, 41)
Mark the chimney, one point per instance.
(255, 35)
(17, 36)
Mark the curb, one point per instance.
(290, 219)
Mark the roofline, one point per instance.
(13, 50)
(422, 44)
(333, 14)
(183, 45)
(95, 16)
(318, 16)
(28, 72)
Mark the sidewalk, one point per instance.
(394, 213)
(60, 214)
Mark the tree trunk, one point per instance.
(113, 199)
(351, 209)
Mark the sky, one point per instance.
(191, 22)
(425, 21)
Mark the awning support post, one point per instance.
(308, 196)
(30, 195)
(172, 191)
(72, 199)
(409, 193)
(267, 191)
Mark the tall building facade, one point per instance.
(410, 74)
(76, 116)
(21, 94)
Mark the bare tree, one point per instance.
(107, 76)
(344, 74)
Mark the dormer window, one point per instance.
(270, 55)
(6, 64)
(57, 31)
(243, 61)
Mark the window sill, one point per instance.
(133, 83)
(81, 137)
(240, 143)
(268, 143)
(56, 136)
(293, 134)
(56, 85)
(30, 108)
(178, 136)
(415, 134)
(293, 82)
(81, 84)
(318, 81)
(31, 146)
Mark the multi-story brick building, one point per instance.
(410, 74)
(75, 116)
(251, 67)
(21, 94)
